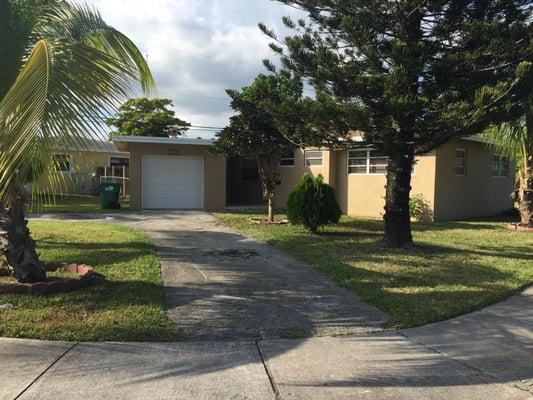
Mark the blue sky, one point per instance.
(198, 48)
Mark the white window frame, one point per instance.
(69, 157)
(368, 165)
(306, 158)
(110, 157)
(465, 158)
(293, 159)
(500, 156)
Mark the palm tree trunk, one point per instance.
(526, 179)
(526, 194)
(19, 249)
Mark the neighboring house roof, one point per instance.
(476, 138)
(164, 140)
(92, 146)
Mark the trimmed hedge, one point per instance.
(312, 203)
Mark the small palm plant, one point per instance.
(77, 70)
(516, 140)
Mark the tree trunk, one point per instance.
(526, 178)
(18, 247)
(526, 195)
(270, 207)
(268, 165)
(397, 218)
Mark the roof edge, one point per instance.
(476, 138)
(162, 140)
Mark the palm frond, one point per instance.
(511, 139)
(83, 23)
(507, 138)
(75, 75)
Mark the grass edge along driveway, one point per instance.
(457, 267)
(125, 302)
(75, 204)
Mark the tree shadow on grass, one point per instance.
(130, 310)
(93, 253)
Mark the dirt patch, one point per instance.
(261, 221)
(520, 228)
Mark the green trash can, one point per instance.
(109, 195)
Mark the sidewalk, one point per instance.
(484, 355)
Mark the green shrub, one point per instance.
(420, 209)
(312, 203)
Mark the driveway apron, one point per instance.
(220, 284)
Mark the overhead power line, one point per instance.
(192, 127)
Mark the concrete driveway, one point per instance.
(480, 356)
(222, 285)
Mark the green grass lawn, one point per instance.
(125, 302)
(457, 267)
(75, 204)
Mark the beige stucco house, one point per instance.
(461, 179)
(78, 170)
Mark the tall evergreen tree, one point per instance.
(409, 74)
(17, 19)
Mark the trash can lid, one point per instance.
(109, 183)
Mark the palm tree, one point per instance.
(76, 70)
(515, 139)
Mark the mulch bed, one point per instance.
(260, 221)
(520, 228)
(83, 271)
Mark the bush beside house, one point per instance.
(313, 203)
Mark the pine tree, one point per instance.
(410, 75)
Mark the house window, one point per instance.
(500, 166)
(61, 163)
(119, 162)
(313, 158)
(287, 159)
(460, 162)
(377, 162)
(367, 162)
(249, 170)
(358, 162)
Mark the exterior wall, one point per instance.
(478, 193)
(81, 179)
(364, 195)
(214, 172)
(450, 196)
(290, 176)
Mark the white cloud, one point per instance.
(197, 49)
(240, 44)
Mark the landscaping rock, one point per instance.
(84, 272)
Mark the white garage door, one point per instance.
(171, 182)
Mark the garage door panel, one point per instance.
(173, 182)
